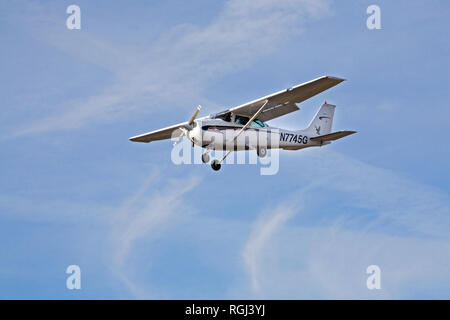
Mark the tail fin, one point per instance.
(323, 120)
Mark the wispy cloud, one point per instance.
(264, 229)
(179, 65)
(380, 218)
(146, 214)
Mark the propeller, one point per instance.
(189, 125)
(191, 120)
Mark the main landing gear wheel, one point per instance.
(261, 152)
(215, 165)
(205, 158)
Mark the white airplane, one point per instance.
(241, 127)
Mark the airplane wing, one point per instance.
(275, 105)
(332, 136)
(161, 134)
(284, 102)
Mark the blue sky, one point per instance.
(74, 190)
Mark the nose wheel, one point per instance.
(215, 165)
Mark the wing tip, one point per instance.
(335, 78)
(137, 139)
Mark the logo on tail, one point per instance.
(317, 129)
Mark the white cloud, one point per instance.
(380, 218)
(180, 64)
(264, 229)
(146, 216)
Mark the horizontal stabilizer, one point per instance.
(332, 136)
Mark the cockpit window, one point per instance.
(224, 116)
(240, 120)
(258, 124)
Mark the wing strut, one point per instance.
(245, 127)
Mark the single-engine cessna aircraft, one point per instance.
(247, 122)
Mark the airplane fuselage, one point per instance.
(217, 134)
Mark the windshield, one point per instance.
(243, 121)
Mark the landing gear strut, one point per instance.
(215, 165)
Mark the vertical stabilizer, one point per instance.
(323, 120)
